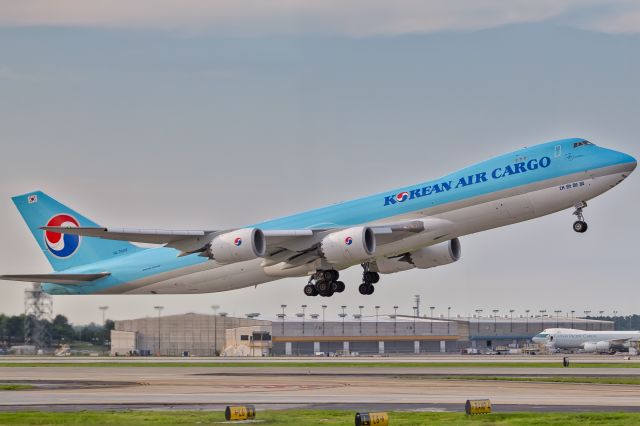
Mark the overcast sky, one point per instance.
(217, 114)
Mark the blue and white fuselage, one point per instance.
(514, 187)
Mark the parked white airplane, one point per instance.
(412, 227)
(588, 341)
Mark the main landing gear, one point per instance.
(324, 283)
(369, 278)
(580, 225)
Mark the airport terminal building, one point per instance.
(206, 335)
(175, 335)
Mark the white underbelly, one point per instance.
(223, 278)
(536, 203)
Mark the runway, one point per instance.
(280, 387)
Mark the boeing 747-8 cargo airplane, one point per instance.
(417, 226)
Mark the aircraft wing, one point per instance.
(150, 236)
(56, 278)
(294, 246)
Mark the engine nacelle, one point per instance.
(436, 255)
(349, 245)
(237, 246)
(597, 347)
(603, 347)
(428, 257)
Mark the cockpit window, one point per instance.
(581, 143)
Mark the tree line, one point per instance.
(55, 332)
(627, 322)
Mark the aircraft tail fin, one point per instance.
(64, 251)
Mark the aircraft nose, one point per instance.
(633, 163)
(630, 162)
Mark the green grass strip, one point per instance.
(11, 387)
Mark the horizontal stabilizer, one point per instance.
(56, 278)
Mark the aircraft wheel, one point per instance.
(310, 290)
(363, 289)
(580, 226)
(371, 277)
(370, 290)
(334, 286)
(341, 287)
(322, 286)
(327, 275)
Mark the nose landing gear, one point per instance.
(580, 225)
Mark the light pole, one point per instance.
(448, 320)
(104, 325)
(431, 308)
(304, 309)
(104, 310)
(615, 319)
(395, 319)
(377, 309)
(527, 316)
(283, 315)
(572, 312)
(159, 309)
(586, 323)
(324, 307)
(415, 313)
(511, 311)
(601, 312)
(343, 315)
(215, 329)
(542, 312)
(478, 312)
(495, 320)
(557, 312)
(360, 307)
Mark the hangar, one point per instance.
(209, 335)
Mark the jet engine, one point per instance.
(237, 246)
(603, 347)
(424, 258)
(436, 255)
(349, 245)
(598, 347)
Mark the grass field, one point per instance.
(10, 387)
(306, 417)
(591, 380)
(338, 364)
